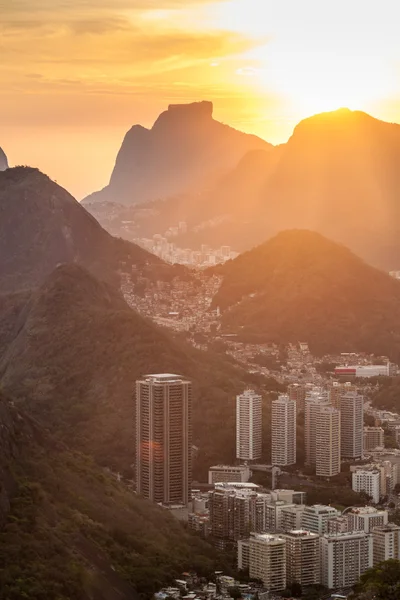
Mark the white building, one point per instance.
(248, 426)
(366, 518)
(366, 370)
(344, 558)
(291, 517)
(386, 542)
(316, 517)
(274, 510)
(283, 431)
(228, 473)
(267, 561)
(368, 481)
(352, 424)
(313, 406)
(328, 449)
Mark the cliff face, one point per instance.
(3, 160)
(185, 150)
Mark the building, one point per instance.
(386, 542)
(267, 561)
(316, 517)
(200, 523)
(283, 431)
(228, 473)
(297, 393)
(248, 426)
(163, 448)
(235, 513)
(312, 408)
(291, 517)
(368, 481)
(302, 557)
(273, 515)
(243, 555)
(366, 518)
(352, 425)
(289, 496)
(338, 525)
(373, 438)
(336, 390)
(344, 558)
(327, 436)
(365, 370)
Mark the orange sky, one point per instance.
(76, 74)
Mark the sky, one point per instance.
(75, 75)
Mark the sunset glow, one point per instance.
(90, 69)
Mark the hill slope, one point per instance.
(41, 226)
(70, 531)
(184, 151)
(300, 286)
(75, 351)
(3, 160)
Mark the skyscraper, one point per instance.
(163, 438)
(283, 434)
(327, 442)
(302, 557)
(344, 558)
(297, 392)
(352, 424)
(312, 409)
(248, 426)
(267, 560)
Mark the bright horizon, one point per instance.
(76, 75)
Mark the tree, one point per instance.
(296, 589)
(234, 592)
(380, 583)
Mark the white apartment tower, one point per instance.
(352, 424)
(366, 518)
(283, 425)
(344, 558)
(315, 518)
(163, 447)
(327, 442)
(267, 561)
(386, 542)
(302, 557)
(312, 408)
(368, 481)
(248, 426)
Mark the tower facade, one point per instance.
(248, 426)
(163, 406)
(283, 434)
(328, 442)
(352, 424)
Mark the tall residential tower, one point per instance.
(283, 434)
(248, 426)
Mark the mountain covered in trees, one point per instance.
(42, 226)
(338, 174)
(185, 149)
(300, 286)
(3, 160)
(70, 531)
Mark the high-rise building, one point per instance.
(315, 518)
(312, 408)
(163, 438)
(327, 463)
(283, 431)
(267, 561)
(248, 426)
(373, 438)
(366, 518)
(352, 424)
(235, 513)
(291, 517)
(297, 392)
(302, 557)
(386, 542)
(273, 515)
(336, 391)
(368, 481)
(344, 558)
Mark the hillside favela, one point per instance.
(199, 300)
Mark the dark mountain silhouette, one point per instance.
(339, 174)
(41, 226)
(186, 150)
(74, 351)
(300, 286)
(70, 530)
(3, 160)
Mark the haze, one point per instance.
(76, 74)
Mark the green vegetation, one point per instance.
(301, 286)
(380, 583)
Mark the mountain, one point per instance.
(3, 160)
(338, 174)
(300, 286)
(74, 351)
(186, 150)
(69, 530)
(42, 225)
